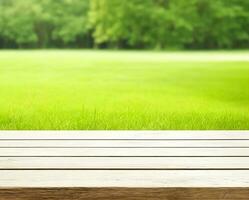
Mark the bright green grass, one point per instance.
(121, 90)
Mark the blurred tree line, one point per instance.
(140, 24)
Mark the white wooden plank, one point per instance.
(124, 152)
(124, 143)
(124, 163)
(124, 135)
(122, 178)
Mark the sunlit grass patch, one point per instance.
(122, 90)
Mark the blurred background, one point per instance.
(125, 24)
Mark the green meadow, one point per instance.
(121, 90)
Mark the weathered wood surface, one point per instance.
(128, 163)
(123, 152)
(207, 135)
(149, 143)
(120, 165)
(124, 194)
(124, 178)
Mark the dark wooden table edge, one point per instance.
(73, 193)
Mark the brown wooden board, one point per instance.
(124, 193)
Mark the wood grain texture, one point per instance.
(124, 135)
(125, 178)
(125, 143)
(106, 152)
(125, 193)
(124, 163)
(115, 161)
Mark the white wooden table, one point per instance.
(144, 159)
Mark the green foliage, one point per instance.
(141, 23)
(17, 22)
(146, 24)
(68, 18)
(43, 23)
(172, 23)
(222, 24)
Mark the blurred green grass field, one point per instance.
(86, 90)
